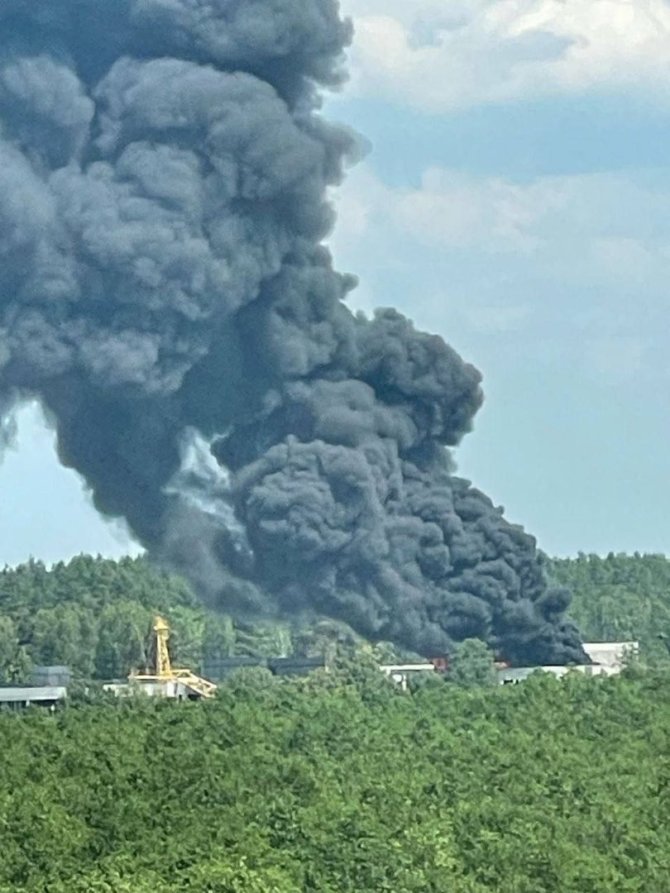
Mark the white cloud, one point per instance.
(454, 211)
(575, 264)
(611, 221)
(438, 55)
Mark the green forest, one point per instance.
(94, 615)
(619, 598)
(341, 783)
(338, 782)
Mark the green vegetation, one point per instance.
(472, 664)
(91, 614)
(340, 783)
(620, 597)
(94, 615)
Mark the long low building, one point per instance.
(401, 673)
(18, 696)
(612, 657)
(607, 659)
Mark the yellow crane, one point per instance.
(165, 672)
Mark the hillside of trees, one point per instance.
(340, 783)
(618, 598)
(94, 615)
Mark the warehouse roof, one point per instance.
(32, 694)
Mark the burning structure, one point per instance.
(165, 293)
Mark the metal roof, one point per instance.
(32, 694)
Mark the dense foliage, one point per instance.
(339, 782)
(342, 784)
(620, 597)
(95, 615)
(90, 614)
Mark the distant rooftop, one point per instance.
(56, 674)
(611, 654)
(32, 694)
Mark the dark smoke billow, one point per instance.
(165, 294)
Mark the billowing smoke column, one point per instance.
(165, 294)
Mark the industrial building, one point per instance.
(48, 685)
(401, 673)
(17, 697)
(47, 688)
(164, 680)
(607, 659)
(220, 668)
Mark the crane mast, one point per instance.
(162, 634)
(164, 673)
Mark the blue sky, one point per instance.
(515, 199)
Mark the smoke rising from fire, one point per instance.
(165, 292)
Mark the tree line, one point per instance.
(619, 598)
(95, 615)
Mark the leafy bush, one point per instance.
(340, 786)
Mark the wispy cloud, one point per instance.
(441, 56)
(578, 262)
(613, 222)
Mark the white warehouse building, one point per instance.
(609, 659)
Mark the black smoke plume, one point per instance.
(165, 292)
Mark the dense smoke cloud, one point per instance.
(165, 293)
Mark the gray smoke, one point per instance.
(163, 177)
